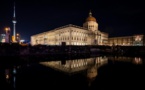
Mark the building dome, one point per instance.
(90, 18)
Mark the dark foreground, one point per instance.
(89, 73)
(15, 49)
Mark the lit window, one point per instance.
(138, 38)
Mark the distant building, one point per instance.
(2, 38)
(73, 35)
(135, 40)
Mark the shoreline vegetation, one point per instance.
(15, 49)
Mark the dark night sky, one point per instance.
(118, 18)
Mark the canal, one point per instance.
(82, 73)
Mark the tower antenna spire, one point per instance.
(14, 15)
(14, 25)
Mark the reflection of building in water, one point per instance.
(73, 66)
(90, 65)
(135, 60)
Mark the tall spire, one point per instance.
(14, 15)
(14, 25)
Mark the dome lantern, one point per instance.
(90, 18)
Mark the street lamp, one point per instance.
(7, 29)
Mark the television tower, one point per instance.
(14, 25)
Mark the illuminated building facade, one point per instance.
(135, 40)
(2, 38)
(73, 35)
(89, 34)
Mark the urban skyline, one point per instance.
(116, 18)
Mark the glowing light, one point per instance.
(7, 28)
(22, 40)
(7, 76)
(137, 60)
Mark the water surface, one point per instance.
(89, 73)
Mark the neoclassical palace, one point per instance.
(73, 35)
(89, 34)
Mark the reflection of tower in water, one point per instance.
(10, 76)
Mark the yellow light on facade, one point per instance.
(13, 39)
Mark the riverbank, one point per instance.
(8, 50)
